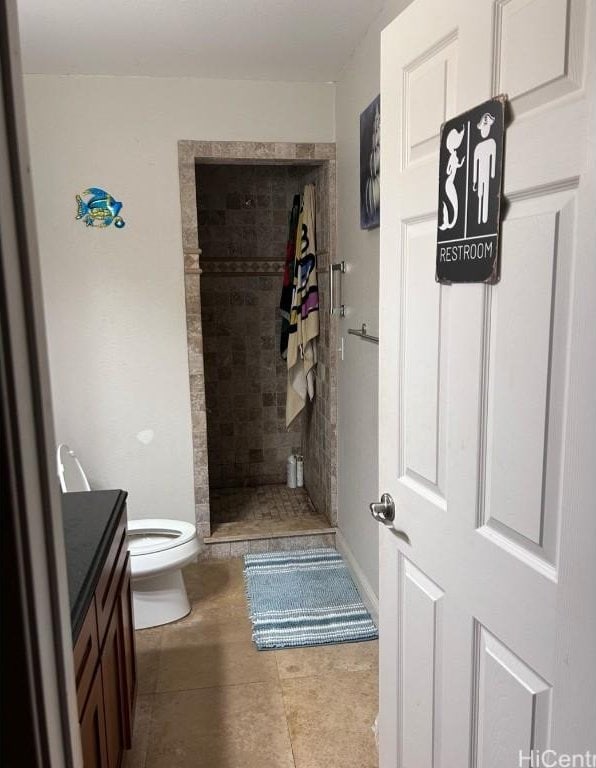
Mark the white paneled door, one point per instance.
(486, 443)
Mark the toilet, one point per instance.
(159, 549)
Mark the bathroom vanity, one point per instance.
(102, 622)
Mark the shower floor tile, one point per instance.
(263, 511)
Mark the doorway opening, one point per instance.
(234, 275)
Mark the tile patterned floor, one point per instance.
(208, 698)
(265, 510)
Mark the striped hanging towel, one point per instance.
(304, 319)
(287, 291)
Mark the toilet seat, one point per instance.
(158, 545)
(152, 535)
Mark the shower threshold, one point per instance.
(263, 519)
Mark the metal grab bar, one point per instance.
(339, 267)
(364, 334)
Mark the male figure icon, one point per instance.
(485, 156)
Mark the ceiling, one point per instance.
(284, 40)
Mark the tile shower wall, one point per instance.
(319, 419)
(242, 218)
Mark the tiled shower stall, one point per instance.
(234, 247)
(242, 215)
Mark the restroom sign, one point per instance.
(470, 173)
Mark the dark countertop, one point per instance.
(90, 519)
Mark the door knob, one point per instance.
(383, 511)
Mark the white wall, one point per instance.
(358, 374)
(114, 299)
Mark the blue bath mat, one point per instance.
(306, 597)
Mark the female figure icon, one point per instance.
(453, 142)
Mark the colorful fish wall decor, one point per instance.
(97, 208)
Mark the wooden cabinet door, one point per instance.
(86, 655)
(93, 730)
(112, 664)
(129, 675)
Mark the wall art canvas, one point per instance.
(370, 164)
(97, 208)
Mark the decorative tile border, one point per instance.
(227, 267)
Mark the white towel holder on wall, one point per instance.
(364, 334)
(340, 309)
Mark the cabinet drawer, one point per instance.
(109, 581)
(86, 655)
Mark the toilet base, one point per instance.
(159, 599)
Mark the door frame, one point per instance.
(197, 152)
(38, 687)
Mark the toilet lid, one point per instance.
(156, 535)
(70, 472)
